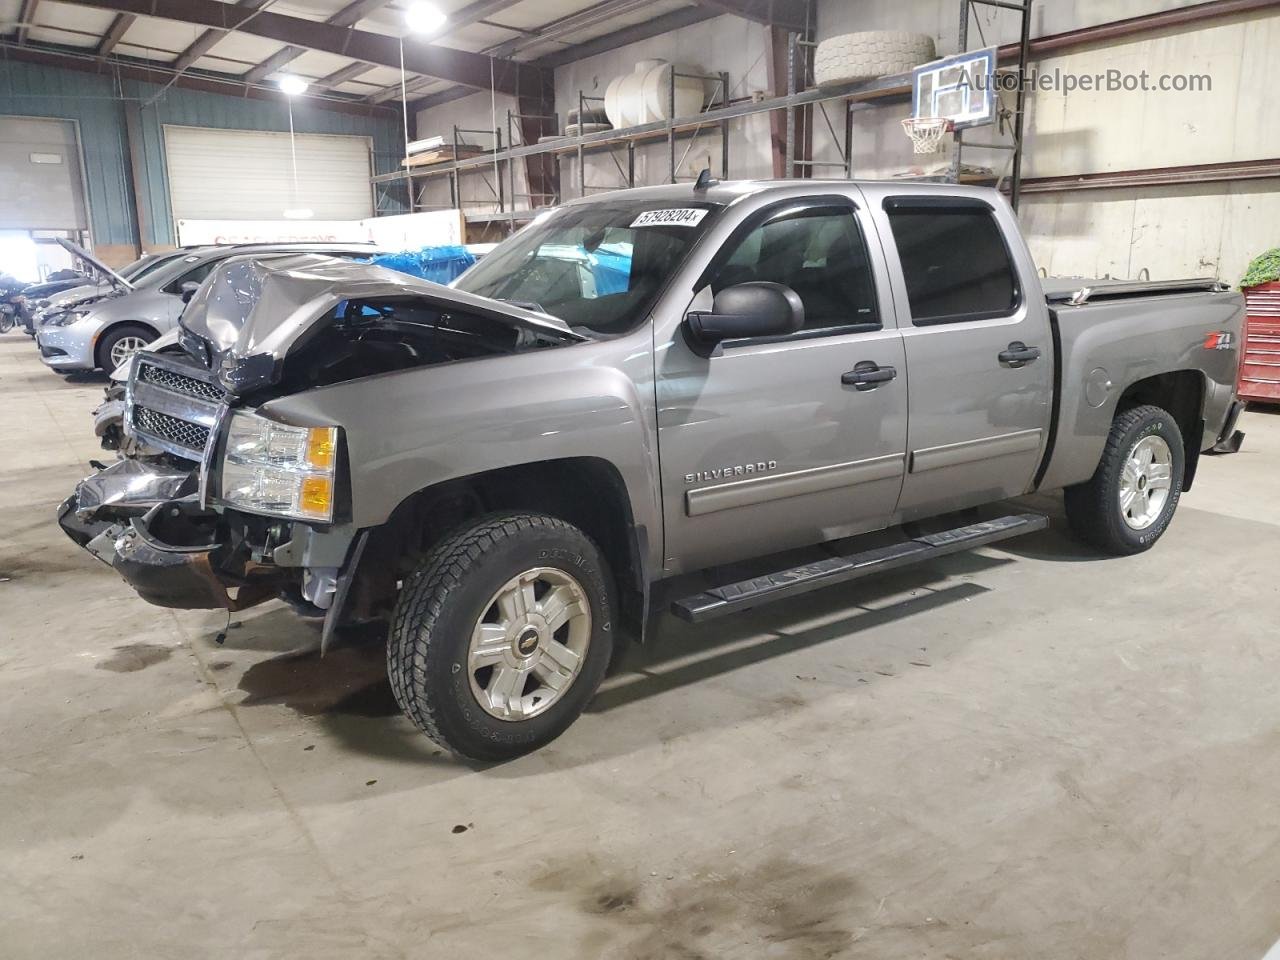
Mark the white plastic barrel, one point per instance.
(644, 95)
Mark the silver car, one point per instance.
(104, 332)
(97, 287)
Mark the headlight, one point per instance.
(272, 468)
(60, 319)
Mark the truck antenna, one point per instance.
(705, 179)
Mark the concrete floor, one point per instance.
(1028, 751)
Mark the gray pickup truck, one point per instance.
(657, 381)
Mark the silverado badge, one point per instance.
(728, 473)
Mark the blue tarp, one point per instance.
(612, 271)
(437, 264)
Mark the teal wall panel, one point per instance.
(97, 103)
(93, 102)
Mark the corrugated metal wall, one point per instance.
(32, 91)
(96, 103)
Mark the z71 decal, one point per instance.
(1218, 341)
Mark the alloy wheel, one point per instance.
(529, 644)
(1145, 482)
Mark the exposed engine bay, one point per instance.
(255, 331)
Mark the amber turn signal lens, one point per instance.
(322, 445)
(316, 497)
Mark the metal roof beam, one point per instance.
(472, 13)
(788, 14)
(675, 20)
(206, 41)
(338, 77)
(456, 66)
(348, 16)
(26, 17)
(162, 74)
(119, 27)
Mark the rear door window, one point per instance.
(954, 261)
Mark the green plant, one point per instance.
(1263, 269)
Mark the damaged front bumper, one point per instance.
(145, 521)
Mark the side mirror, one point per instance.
(754, 309)
(189, 290)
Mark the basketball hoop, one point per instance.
(926, 132)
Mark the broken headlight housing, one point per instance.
(280, 470)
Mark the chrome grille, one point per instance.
(173, 404)
(179, 382)
(189, 436)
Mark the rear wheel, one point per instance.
(120, 343)
(1129, 502)
(502, 635)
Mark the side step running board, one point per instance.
(823, 573)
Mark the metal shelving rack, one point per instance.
(1022, 7)
(720, 112)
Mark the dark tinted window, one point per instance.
(955, 263)
(820, 255)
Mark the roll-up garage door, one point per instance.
(40, 183)
(248, 175)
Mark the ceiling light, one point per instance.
(293, 86)
(424, 17)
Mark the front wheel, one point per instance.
(502, 635)
(121, 343)
(1127, 504)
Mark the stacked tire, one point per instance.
(592, 120)
(869, 54)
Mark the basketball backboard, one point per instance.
(960, 88)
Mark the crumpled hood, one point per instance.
(250, 312)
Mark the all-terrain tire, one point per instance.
(869, 54)
(1093, 507)
(446, 596)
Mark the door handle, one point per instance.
(867, 375)
(1018, 354)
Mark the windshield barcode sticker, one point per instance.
(687, 217)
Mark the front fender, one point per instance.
(416, 428)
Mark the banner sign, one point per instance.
(410, 231)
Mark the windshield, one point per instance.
(140, 268)
(598, 265)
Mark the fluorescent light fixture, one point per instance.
(299, 213)
(293, 86)
(424, 17)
